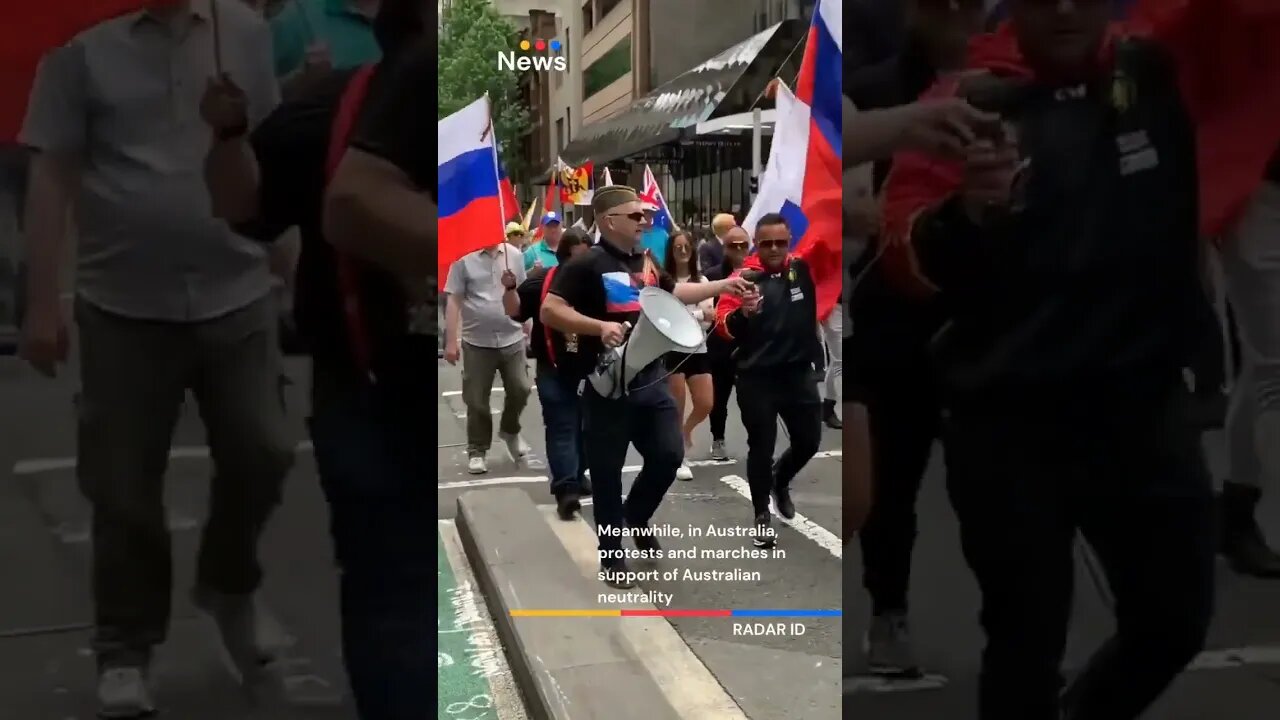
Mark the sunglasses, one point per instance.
(771, 244)
(635, 216)
(737, 245)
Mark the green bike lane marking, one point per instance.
(469, 657)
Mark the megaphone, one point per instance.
(665, 325)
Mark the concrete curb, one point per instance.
(567, 668)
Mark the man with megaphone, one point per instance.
(600, 297)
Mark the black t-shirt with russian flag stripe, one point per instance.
(605, 284)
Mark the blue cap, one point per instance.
(551, 217)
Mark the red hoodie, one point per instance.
(1227, 54)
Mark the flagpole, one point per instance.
(497, 174)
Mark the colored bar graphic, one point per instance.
(778, 613)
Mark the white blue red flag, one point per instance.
(621, 293)
(476, 199)
(802, 180)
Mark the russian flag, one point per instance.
(802, 180)
(472, 198)
(620, 293)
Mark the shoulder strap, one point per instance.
(546, 331)
(348, 277)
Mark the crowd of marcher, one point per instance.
(1031, 237)
(548, 300)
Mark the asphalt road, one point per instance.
(46, 669)
(771, 677)
(1237, 679)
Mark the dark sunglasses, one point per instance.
(769, 244)
(738, 245)
(635, 216)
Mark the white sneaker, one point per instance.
(516, 445)
(123, 693)
(684, 472)
(476, 465)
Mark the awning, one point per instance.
(728, 84)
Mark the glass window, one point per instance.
(588, 19)
(609, 67)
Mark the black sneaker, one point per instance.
(764, 537)
(829, 416)
(782, 497)
(568, 503)
(617, 576)
(584, 486)
(645, 542)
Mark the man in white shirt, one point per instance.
(479, 331)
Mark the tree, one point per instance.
(472, 34)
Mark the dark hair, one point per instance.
(572, 238)
(401, 23)
(669, 262)
(772, 219)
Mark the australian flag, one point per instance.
(656, 237)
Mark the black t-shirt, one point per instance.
(399, 113)
(292, 148)
(582, 282)
(564, 356)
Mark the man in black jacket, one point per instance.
(778, 359)
(889, 350)
(1067, 249)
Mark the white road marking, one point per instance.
(801, 524)
(518, 479)
(37, 466)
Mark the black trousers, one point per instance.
(650, 421)
(904, 411)
(722, 381)
(1132, 482)
(764, 396)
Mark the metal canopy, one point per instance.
(728, 84)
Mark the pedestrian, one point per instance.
(891, 343)
(517, 235)
(373, 404)
(543, 254)
(559, 367)
(778, 356)
(168, 300)
(737, 244)
(489, 342)
(311, 38)
(1252, 276)
(591, 297)
(1070, 262)
(711, 247)
(690, 372)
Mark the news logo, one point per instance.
(539, 55)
